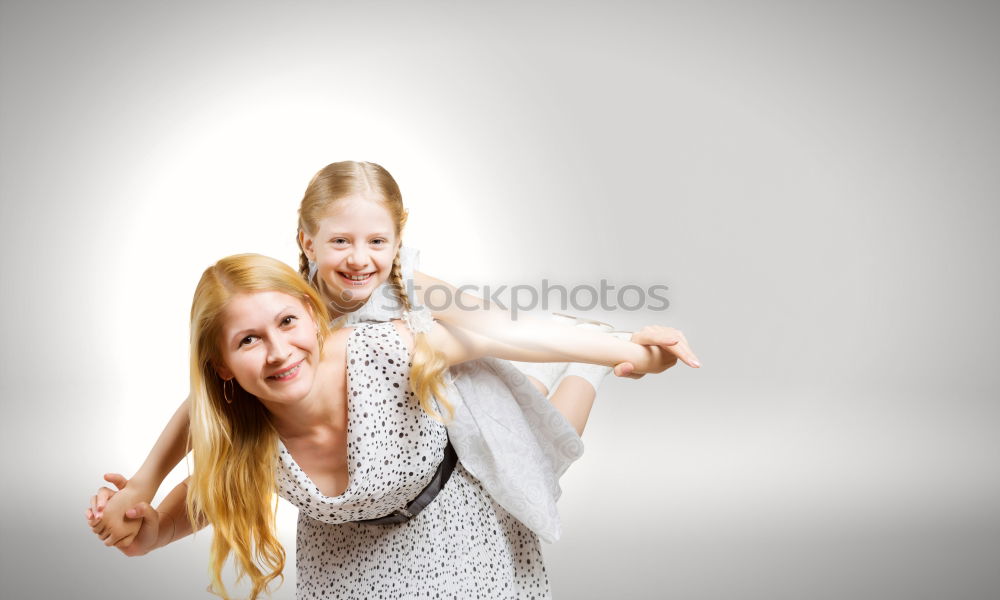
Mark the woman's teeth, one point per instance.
(289, 373)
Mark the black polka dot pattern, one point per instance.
(462, 545)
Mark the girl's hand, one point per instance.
(666, 345)
(108, 511)
(148, 536)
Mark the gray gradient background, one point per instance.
(816, 182)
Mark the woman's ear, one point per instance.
(222, 371)
(306, 243)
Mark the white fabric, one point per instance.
(462, 545)
(513, 440)
(506, 434)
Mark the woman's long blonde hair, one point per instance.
(234, 443)
(338, 181)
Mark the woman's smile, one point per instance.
(288, 373)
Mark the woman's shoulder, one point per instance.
(340, 335)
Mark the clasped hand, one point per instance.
(665, 346)
(124, 519)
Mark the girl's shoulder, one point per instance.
(392, 332)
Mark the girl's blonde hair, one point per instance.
(338, 181)
(234, 442)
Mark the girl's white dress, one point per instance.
(479, 537)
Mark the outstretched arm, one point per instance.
(561, 345)
(170, 449)
(544, 341)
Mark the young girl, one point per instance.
(518, 444)
(270, 382)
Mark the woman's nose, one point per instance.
(278, 350)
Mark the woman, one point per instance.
(270, 383)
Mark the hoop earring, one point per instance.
(224, 394)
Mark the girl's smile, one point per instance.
(356, 280)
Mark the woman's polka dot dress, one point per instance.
(462, 545)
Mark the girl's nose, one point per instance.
(358, 258)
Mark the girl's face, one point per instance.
(353, 248)
(269, 344)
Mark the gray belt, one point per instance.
(441, 476)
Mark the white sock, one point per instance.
(546, 373)
(592, 374)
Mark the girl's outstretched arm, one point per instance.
(550, 341)
(572, 345)
(169, 449)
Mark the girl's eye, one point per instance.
(247, 340)
(378, 241)
(288, 320)
(338, 241)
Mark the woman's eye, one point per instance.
(247, 340)
(288, 320)
(378, 242)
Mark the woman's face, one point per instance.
(269, 344)
(353, 248)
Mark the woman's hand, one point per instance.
(148, 536)
(666, 346)
(108, 511)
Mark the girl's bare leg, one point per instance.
(574, 397)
